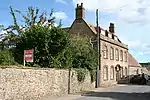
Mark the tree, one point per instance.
(6, 57)
(47, 43)
(84, 56)
(31, 18)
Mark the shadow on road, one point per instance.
(120, 95)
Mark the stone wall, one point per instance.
(32, 84)
(76, 86)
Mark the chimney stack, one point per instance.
(112, 28)
(80, 11)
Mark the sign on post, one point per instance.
(28, 56)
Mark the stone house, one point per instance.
(114, 54)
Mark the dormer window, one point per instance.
(106, 33)
(113, 36)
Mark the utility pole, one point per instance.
(99, 51)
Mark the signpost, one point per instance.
(28, 56)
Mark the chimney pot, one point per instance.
(80, 11)
(82, 5)
(112, 28)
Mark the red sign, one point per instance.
(28, 55)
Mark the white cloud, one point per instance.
(131, 11)
(60, 15)
(61, 1)
(132, 43)
(2, 34)
(137, 47)
(144, 53)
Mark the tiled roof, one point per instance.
(132, 61)
(94, 29)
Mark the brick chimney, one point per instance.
(112, 28)
(80, 11)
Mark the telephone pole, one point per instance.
(99, 51)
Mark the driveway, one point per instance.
(121, 92)
(126, 92)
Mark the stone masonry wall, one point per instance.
(32, 84)
(111, 62)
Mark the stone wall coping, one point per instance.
(134, 66)
(26, 67)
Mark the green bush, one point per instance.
(81, 73)
(6, 57)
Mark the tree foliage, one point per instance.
(31, 18)
(6, 57)
(83, 54)
(47, 43)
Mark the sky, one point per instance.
(131, 18)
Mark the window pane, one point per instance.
(105, 72)
(126, 71)
(112, 73)
(112, 53)
(117, 54)
(121, 72)
(105, 51)
(125, 56)
(121, 55)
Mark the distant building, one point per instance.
(146, 66)
(115, 59)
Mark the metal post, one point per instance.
(98, 49)
(24, 62)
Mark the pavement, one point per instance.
(120, 92)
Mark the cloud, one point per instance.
(60, 15)
(144, 53)
(132, 43)
(146, 46)
(137, 47)
(131, 11)
(2, 34)
(61, 1)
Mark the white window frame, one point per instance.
(117, 54)
(112, 71)
(121, 55)
(105, 73)
(111, 53)
(105, 52)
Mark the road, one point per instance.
(127, 92)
